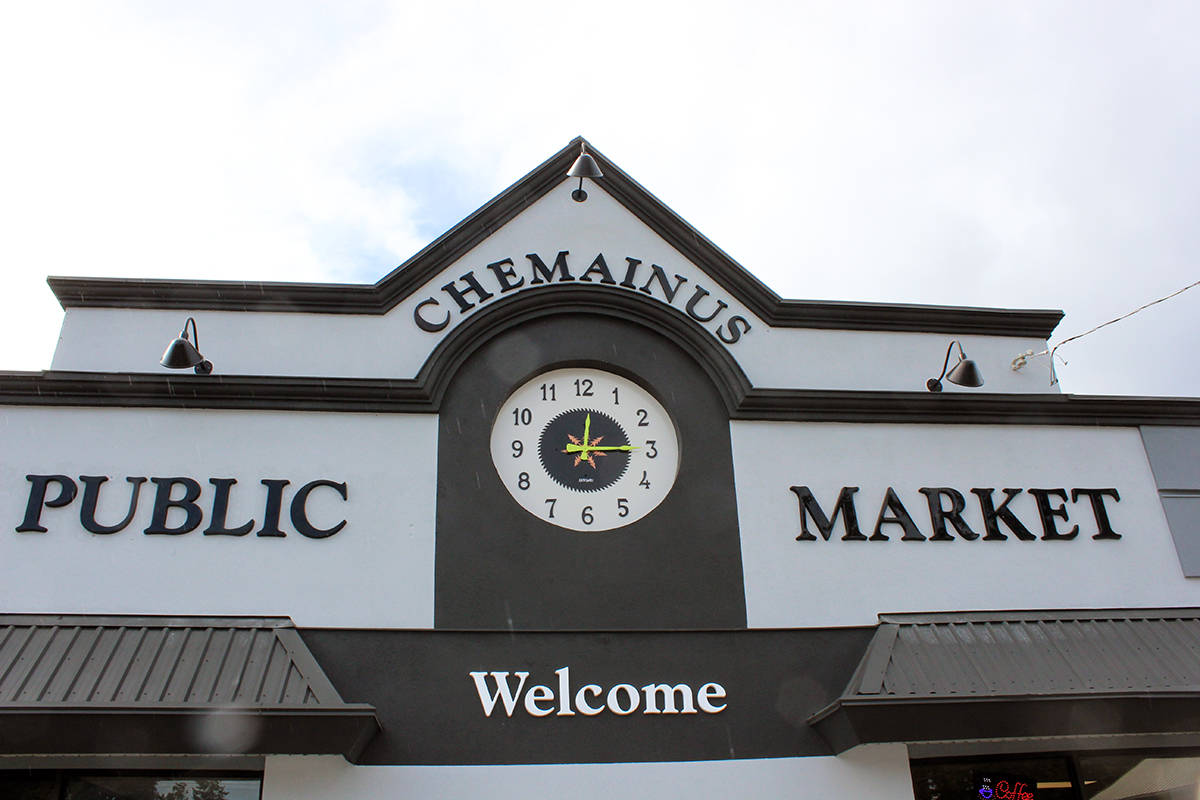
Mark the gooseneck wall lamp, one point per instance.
(182, 353)
(584, 167)
(964, 373)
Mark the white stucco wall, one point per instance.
(375, 572)
(793, 583)
(879, 772)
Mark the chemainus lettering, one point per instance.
(477, 287)
(509, 691)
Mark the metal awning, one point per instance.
(100, 685)
(1021, 675)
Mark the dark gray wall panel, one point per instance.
(1174, 455)
(1183, 517)
(420, 685)
(500, 568)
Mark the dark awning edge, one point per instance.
(126, 685)
(929, 678)
(190, 731)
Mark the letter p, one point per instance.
(37, 499)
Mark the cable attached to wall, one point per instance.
(1023, 358)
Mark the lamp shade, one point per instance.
(585, 167)
(181, 354)
(965, 373)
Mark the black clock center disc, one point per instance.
(574, 453)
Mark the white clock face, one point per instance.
(584, 449)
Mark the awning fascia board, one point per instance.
(161, 730)
(849, 722)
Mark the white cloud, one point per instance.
(967, 154)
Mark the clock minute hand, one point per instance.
(578, 448)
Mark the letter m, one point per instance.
(809, 507)
(544, 274)
(667, 693)
(504, 692)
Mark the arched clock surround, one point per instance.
(500, 568)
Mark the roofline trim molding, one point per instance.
(381, 297)
(411, 396)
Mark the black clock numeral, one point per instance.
(519, 448)
(586, 516)
(616, 397)
(645, 481)
(523, 480)
(651, 450)
(622, 507)
(547, 391)
(522, 416)
(583, 388)
(550, 502)
(642, 418)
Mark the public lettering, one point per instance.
(180, 505)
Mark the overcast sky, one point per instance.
(1010, 154)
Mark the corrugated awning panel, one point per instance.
(1043, 656)
(937, 677)
(235, 670)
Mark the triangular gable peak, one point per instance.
(401, 282)
(621, 251)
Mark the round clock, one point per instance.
(585, 449)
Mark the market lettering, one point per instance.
(508, 691)
(945, 507)
(181, 495)
(475, 288)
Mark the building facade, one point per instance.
(572, 504)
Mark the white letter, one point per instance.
(668, 695)
(564, 692)
(615, 707)
(709, 692)
(488, 701)
(581, 701)
(535, 694)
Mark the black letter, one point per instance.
(699, 295)
(37, 498)
(538, 266)
(939, 516)
(1050, 530)
(424, 324)
(734, 333)
(899, 516)
(163, 503)
(274, 502)
(600, 266)
(473, 285)
(220, 508)
(1097, 498)
(505, 276)
(845, 507)
(991, 514)
(91, 495)
(300, 519)
(658, 275)
(630, 271)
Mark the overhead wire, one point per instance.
(1021, 360)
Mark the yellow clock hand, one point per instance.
(578, 448)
